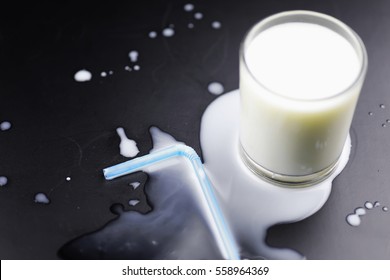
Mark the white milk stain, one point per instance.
(5, 125)
(41, 198)
(135, 185)
(137, 67)
(68, 179)
(168, 32)
(251, 204)
(190, 25)
(103, 74)
(174, 229)
(385, 209)
(188, 7)
(354, 219)
(215, 88)
(133, 55)
(216, 25)
(127, 147)
(133, 202)
(3, 181)
(152, 34)
(82, 75)
(198, 16)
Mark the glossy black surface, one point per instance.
(63, 128)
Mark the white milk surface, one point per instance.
(302, 60)
(289, 124)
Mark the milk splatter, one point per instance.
(168, 32)
(135, 185)
(83, 76)
(3, 181)
(198, 16)
(5, 125)
(68, 179)
(133, 202)
(103, 74)
(128, 68)
(127, 147)
(190, 25)
(41, 198)
(188, 7)
(354, 219)
(152, 34)
(215, 88)
(216, 25)
(133, 55)
(136, 67)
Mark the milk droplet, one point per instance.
(190, 25)
(360, 211)
(388, 120)
(152, 34)
(133, 55)
(168, 32)
(353, 220)
(41, 198)
(216, 25)
(133, 202)
(5, 125)
(135, 185)
(382, 106)
(103, 74)
(370, 113)
(198, 15)
(137, 67)
(68, 179)
(127, 147)
(385, 209)
(215, 88)
(368, 205)
(82, 76)
(188, 7)
(377, 204)
(384, 125)
(110, 72)
(128, 68)
(3, 181)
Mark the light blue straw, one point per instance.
(226, 242)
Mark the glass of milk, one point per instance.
(301, 73)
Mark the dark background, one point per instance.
(63, 128)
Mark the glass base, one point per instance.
(284, 180)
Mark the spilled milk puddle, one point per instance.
(176, 227)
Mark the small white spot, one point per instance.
(135, 185)
(68, 179)
(133, 55)
(377, 204)
(198, 15)
(360, 211)
(368, 205)
(41, 198)
(168, 32)
(154, 242)
(103, 74)
(215, 88)
(385, 209)
(5, 125)
(110, 72)
(82, 76)
(353, 220)
(133, 202)
(127, 147)
(216, 25)
(128, 68)
(137, 67)
(152, 34)
(190, 25)
(3, 181)
(188, 7)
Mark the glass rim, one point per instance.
(353, 39)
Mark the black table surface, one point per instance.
(62, 128)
